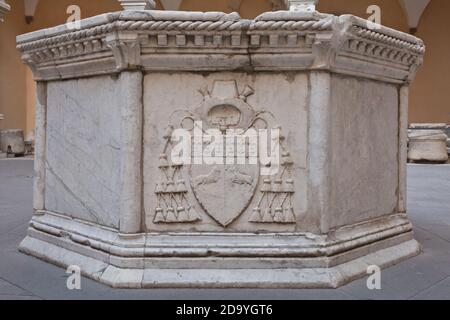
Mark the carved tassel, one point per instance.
(267, 186)
(289, 186)
(170, 216)
(256, 215)
(181, 186)
(267, 215)
(286, 159)
(277, 186)
(159, 216)
(182, 214)
(289, 215)
(193, 215)
(160, 188)
(279, 216)
(170, 187)
(163, 163)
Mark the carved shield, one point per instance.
(224, 191)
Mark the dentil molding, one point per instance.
(170, 40)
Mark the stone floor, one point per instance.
(424, 277)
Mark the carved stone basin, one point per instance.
(427, 143)
(324, 200)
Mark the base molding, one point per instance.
(221, 260)
(108, 274)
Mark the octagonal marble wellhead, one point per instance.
(110, 197)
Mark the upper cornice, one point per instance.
(196, 41)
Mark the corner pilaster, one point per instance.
(131, 150)
(319, 149)
(403, 146)
(40, 148)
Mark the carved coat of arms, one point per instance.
(225, 182)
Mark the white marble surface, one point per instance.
(40, 147)
(165, 93)
(364, 135)
(83, 149)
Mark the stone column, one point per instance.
(319, 145)
(40, 148)
(131, 161)
(403, 147)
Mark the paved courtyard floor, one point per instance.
(426, 276)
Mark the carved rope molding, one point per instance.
(281, 32)
(312, 25)
(186, 26)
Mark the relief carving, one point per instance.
(224, 186)
(275, 201)
(173, 205)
